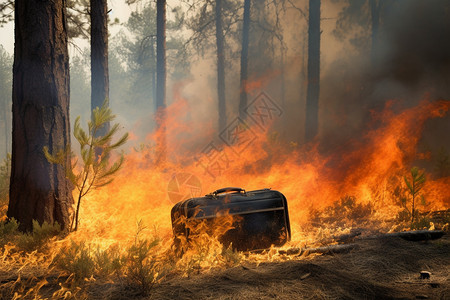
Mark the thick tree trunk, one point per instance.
(312, 94)
(220, 68)
(99, 56)
(375, 14)
(39, 190)
(161, 79)
(244, 60)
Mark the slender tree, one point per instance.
(161, 78)
(99, 57)
(220, 67)
(244, 60)
(39, 190)
(313, 88)
(375, 16)
(5, 95)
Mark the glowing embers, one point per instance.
(238, 219)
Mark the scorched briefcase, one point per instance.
(256, 219)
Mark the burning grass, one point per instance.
(327, 196)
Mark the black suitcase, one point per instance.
(259, 218)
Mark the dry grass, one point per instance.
(380, 268)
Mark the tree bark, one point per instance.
(99, 57)
(39, 190)
(312, 94)
(220, 68)
(161, 79)
(244, 60)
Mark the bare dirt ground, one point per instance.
(381, 268)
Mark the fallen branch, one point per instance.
(342, 238)
(416, 235)
(332, 249)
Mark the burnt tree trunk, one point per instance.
(161, 79)
(375, 15)
(220, 68)
(39, 190)
(99, 57)
(244, 60)
(313, 88)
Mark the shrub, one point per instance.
(8, 231)
(414, 186)
(343, 213)
(141, 265)
(107, 262)
(77, 260)
(40, 236)
(5, 170)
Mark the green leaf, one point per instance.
(120, 142)
(408, 184)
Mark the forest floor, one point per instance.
(378, 268)
(386, 268)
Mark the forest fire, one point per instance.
(327, 196)
(233, 149)
(371, 175)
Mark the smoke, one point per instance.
(417, 46)
(410, 63)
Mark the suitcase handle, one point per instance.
(228, 189)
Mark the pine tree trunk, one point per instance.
(153, 68)
(375, 14)
(220, 67)
(6, 110)
(161, 79)
(312, 94)
(244, 60)
(99, 56)
(39, 190)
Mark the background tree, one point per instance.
(161, 78)
(313, 89)
(99, 57)
(375, 6)
(40, 190)
(6, 12)
(80, 87)
(137, 49)
(215, 21)
(220, 67)
(244, 60)
(5, 99)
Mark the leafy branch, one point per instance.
(96, 168)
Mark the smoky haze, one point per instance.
(411, 62)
